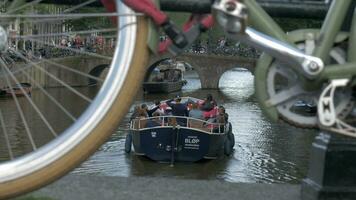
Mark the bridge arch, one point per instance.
(96, 72)
(152, 67)
(210, 68)
(237, 78)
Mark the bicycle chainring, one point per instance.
(281, 95)
(297, 106)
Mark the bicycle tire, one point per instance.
(77, 148)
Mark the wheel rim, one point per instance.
(91, 118)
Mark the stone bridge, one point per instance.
(86, 64)
(210, 68)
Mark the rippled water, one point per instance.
(264, 151)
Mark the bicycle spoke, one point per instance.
(54, 100)
(79, 51)
(28, 66)
(30, 100)
(19, 109)
(56, 78)
(74, 50)
(48, 20)
(72, 70)
(23, 6)
(285, 95)
(69, 15)
(6, 136)
(110, 36)
(108, 30)
(57, 65)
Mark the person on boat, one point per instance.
(169, 75)
(178, 109)
(221, 118)
(177, 75)
(135, 113)
(151, 111)
(155, 121)
(158, 78)
(209, 103)
(138, 118)
(167, 112)
(195, 112)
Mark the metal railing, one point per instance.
(206, 126)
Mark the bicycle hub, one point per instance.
(231, 15)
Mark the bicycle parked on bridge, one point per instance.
(306, 65)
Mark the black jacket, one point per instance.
(178, 109)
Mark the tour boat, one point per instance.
(175, 138)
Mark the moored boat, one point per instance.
(163, 87)
(19, 90)
(176, 138)
(164, 81)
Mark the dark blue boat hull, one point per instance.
(177, 144)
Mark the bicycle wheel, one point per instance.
(87, 115)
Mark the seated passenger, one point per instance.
(158, 78)
(221, 119)
(140, 121)
(135, 113)
(196, 113)
(144, 109)
(209, 103)
(155, 121)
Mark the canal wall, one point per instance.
(84, 187)
(53, 68)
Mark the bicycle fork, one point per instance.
(232, 16)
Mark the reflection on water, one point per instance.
(264, 152)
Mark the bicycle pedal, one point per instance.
(328, 120)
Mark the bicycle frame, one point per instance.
(260, 20)
(331, 27)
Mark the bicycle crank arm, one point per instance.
(309, 66)
(232, 16)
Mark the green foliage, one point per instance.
(89, 23)
(290, 24)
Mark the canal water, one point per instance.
(265, 152)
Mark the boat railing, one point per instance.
(208, 126)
